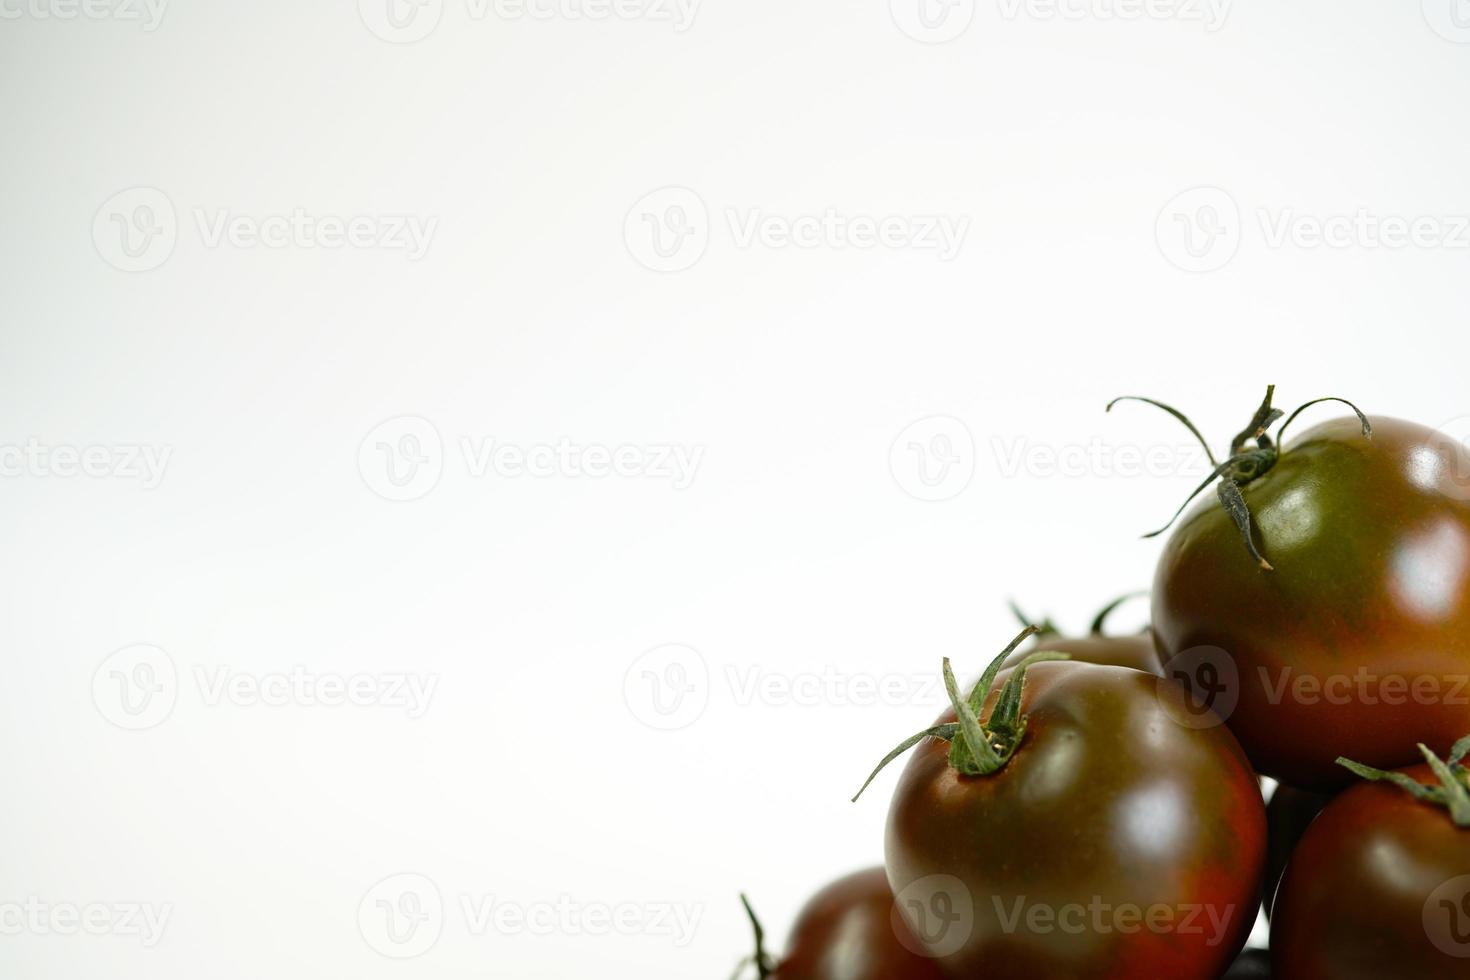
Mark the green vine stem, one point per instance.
(1453, 791)
(1245, 463)
(980, 748)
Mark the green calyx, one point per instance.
(1252, 455)
(980, 748)
(761, 960)
(1453, 791)
(1046, 627)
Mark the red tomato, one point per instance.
(1079, 832)
(850, 931)
(1357, 642)
(1379, 888)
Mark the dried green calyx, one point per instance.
(1246, 463)
(980, 748)
(1453, 791)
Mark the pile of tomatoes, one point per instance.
(1093, 807)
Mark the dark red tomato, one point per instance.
(1378, 889)
(1288, 815)
(849, 931)
(1253, 964)
(1112, 843)
(1358, 642)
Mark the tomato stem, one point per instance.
(1243, 464)
(761, 960)
(979, 748)
(1453, 791)
(1098, 621)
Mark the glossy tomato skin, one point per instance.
(1355, 903)
(1370, 542)
(849, 931)
(1108, 806)
(1136, 652)
(1288, 815)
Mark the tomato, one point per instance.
(1357, 640)
(1079, 832)
(1136, 652)
(1379, 887)
(1253, 964)
(849, 931)
(1288, 815)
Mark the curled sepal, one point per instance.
(945, 732)
(761, 960)
(1264, 418)
(1363, 419)
(978, 748)
(1452, 793)
(1100, 620)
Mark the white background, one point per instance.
(538, 773)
